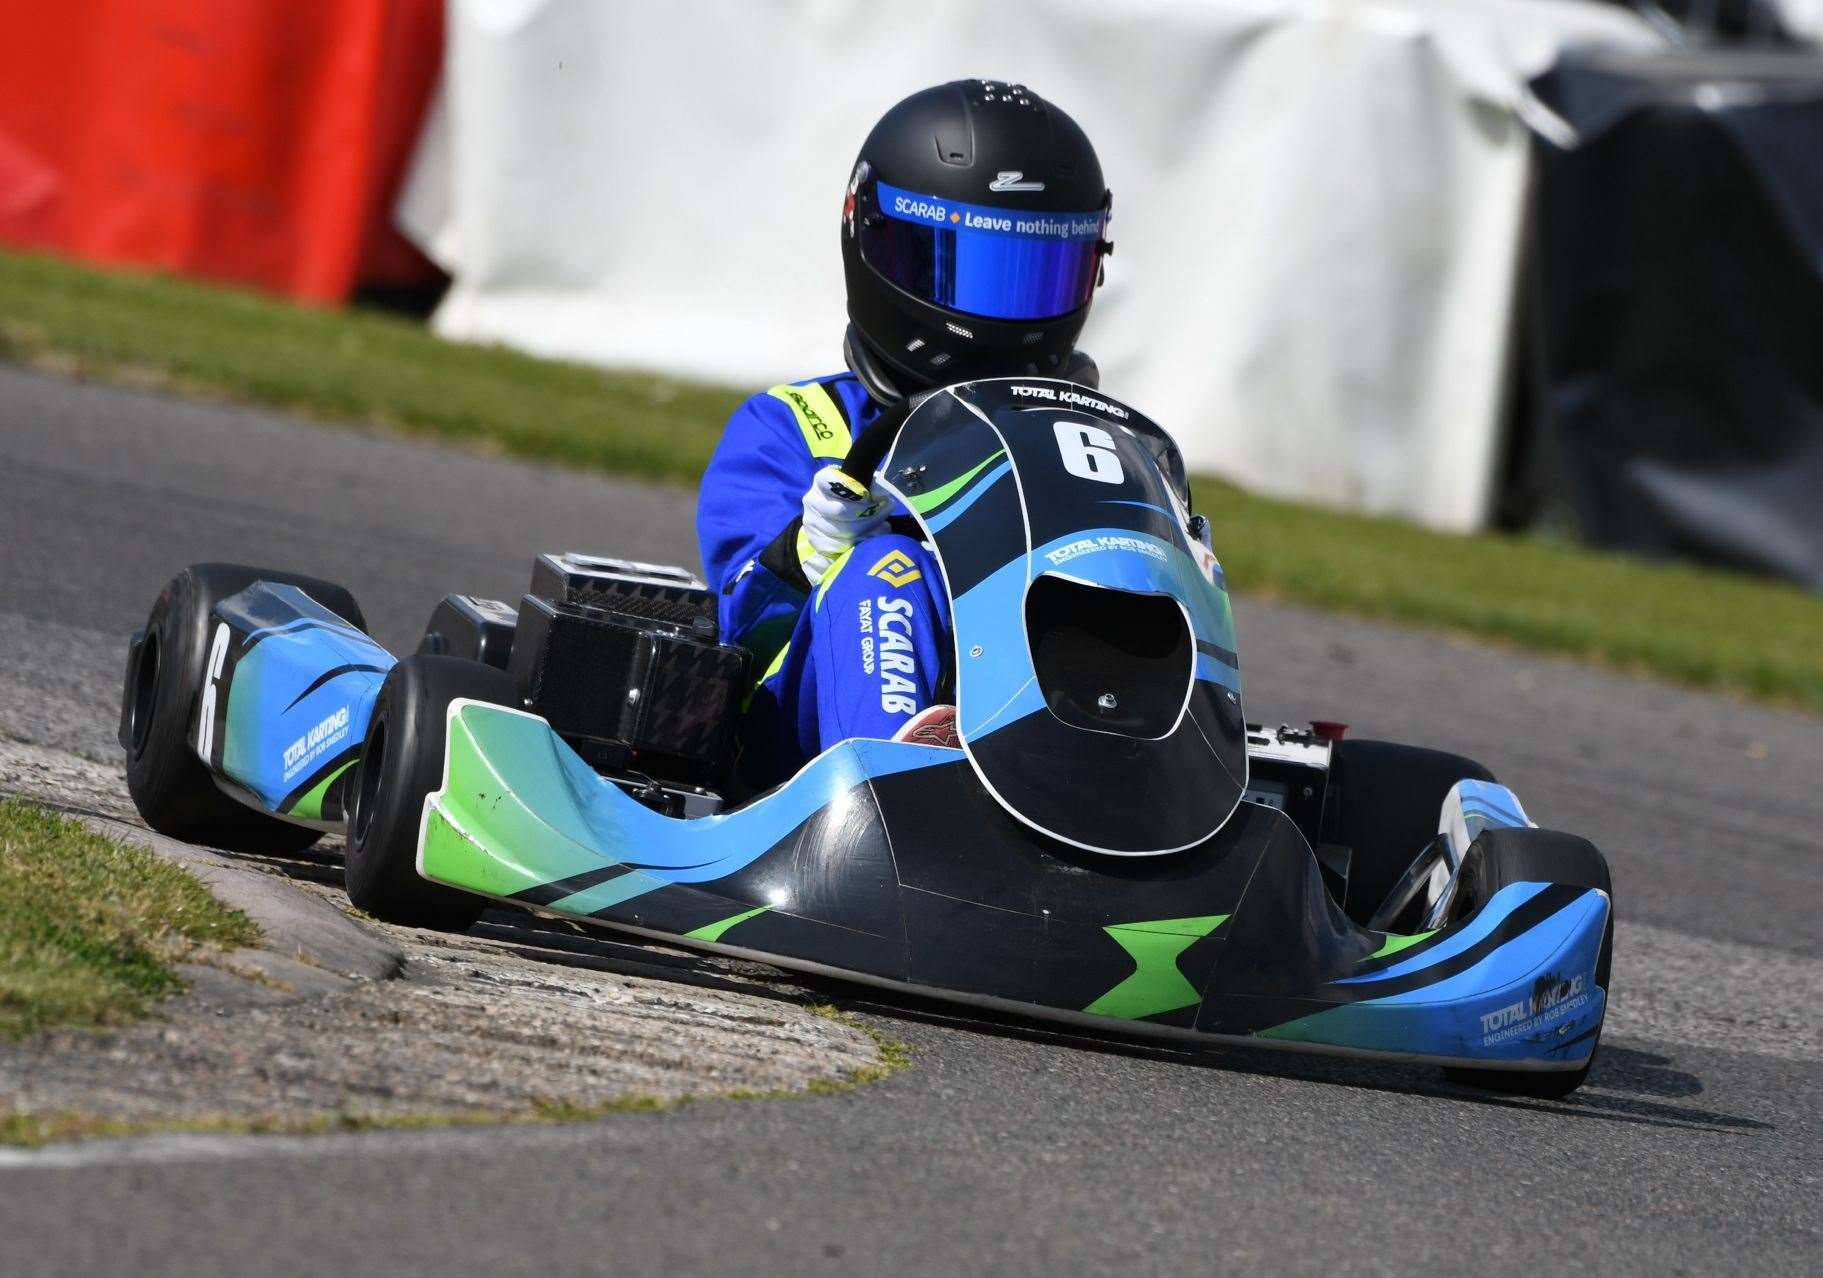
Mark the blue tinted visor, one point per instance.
(997, 263)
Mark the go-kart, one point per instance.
(1112, 844)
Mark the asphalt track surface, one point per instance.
(1005, 1148)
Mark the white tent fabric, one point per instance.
(1317, 202)
(1802, 18)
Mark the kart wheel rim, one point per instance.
(367, 793)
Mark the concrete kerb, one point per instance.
(298, 928)
(332, 1019)
(317, 946)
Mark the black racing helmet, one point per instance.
(973, 234)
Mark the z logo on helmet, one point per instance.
(1013, 180)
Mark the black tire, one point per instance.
(401, 762)
(1386, 805)
(170, 786)
(1503, 856)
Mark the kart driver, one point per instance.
(961, 262)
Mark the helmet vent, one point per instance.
(982, 92)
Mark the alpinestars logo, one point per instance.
(1013, 180)
(895, 568)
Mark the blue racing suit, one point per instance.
(858, 654)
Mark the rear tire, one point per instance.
(1389, 803)
(170, 785)
(1500, 857)
(401, 763)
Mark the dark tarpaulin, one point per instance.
(1759, 22)
(1679, 260)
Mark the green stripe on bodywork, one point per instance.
(1156, 985)
(713, 931)
(937, 496)
(310, 807)
(1396, 943)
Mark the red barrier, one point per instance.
(255, 141)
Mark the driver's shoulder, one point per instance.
(826, 411)
(844, 389)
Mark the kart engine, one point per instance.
(1288, 769)
(623, 659)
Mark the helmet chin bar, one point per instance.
(866, 365)
(1080, 368)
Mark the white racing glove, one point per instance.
(838, 512)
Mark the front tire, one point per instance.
(170, 786)
(1500, 857)
(1389, 802)
(401, 763)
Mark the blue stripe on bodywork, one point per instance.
(296, 623)
(1485, 799)
(1519, 958)
(349, 668)
(999, 685)
(942, 519)
(298, 666)
(1027, 700)
(1209, 670)
(1143, 505)
(1504, 903)
(607, 895)
(1490, 1011)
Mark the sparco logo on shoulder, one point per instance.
(811, 417)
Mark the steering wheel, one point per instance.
(867, 452)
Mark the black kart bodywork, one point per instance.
(1112, 845)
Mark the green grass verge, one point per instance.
(353, 367)
(1707, 629)
(89, 926)
(59, 1127)
(1703, 628)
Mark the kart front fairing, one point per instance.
(1097, 687)
(887, 863)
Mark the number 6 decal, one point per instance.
(205, 728)
(1088, 452)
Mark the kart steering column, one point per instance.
(870, 449)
